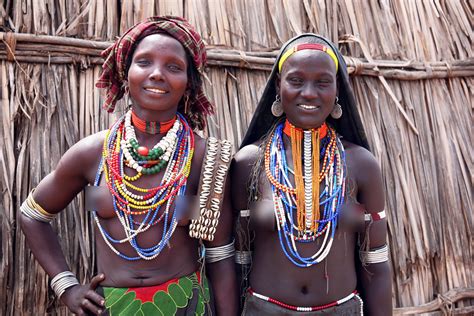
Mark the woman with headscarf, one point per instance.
(311, 231)
(159, 204)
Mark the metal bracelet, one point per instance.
(378, 255)
(243, 257)
(33, 210)
(216, 254)
(62, 281)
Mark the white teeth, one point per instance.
(155, 90)
(308, 107)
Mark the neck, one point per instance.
(152, 127)
(290, 129)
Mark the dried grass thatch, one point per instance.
(412, 69)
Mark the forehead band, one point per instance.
(299, 47)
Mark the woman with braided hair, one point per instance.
(159, 203)
(311, 230)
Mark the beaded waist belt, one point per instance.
(303, 309)
(211, 188)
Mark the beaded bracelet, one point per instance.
(33, 210)
(369, 217)
(216, 254)
(62, 281)
(378, 255)
(243, 257)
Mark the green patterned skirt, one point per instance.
(188, 295)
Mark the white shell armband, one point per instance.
(211, 188)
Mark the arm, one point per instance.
(53, 194)
(241, 168)
(222, 273)
(375, 278)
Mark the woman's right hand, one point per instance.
(83, 299)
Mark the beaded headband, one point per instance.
(299, 47)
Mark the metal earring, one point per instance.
(277, 108)
(337, 111)
(186, 103)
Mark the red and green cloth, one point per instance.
(182, 296)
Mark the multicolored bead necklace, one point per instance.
(173, 152)
(316, 212)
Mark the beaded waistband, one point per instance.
(303, 309)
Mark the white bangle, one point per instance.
(62, 281)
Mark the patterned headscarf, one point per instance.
(118, 55)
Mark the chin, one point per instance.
(307, 124)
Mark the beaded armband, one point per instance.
(33, 210)
(243, 257)
(378, 255)
(216, 254)
(373, 217)
(62, 281)
(211, 188)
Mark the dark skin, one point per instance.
(308, 87)
(157, 80)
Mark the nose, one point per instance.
(309, 91)
(156, 73)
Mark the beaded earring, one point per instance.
(337, 111)
(277, 108)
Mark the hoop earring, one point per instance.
(337, 111)
(277, 108)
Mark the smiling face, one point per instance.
(157, 77)
(308, 88)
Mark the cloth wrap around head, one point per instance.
(117, 55)
(349, 126)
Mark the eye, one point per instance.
(295, 80)
(324, 83)
(142, 62)
(175, 68)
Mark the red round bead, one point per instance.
(143, 151)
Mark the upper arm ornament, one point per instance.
(211, 188)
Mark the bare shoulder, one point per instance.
(246, 156)
(360, 161)
(75, 170)
(364, 169)
(241, 169)
(84, 156)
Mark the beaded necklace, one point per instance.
(316, 212)
(151, 127)
(136, 208)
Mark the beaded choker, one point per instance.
(303, 210)
(152, 127)
(322, 130)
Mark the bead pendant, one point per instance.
(143, 151)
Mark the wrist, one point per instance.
(63, 281)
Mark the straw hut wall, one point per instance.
(412, 70)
